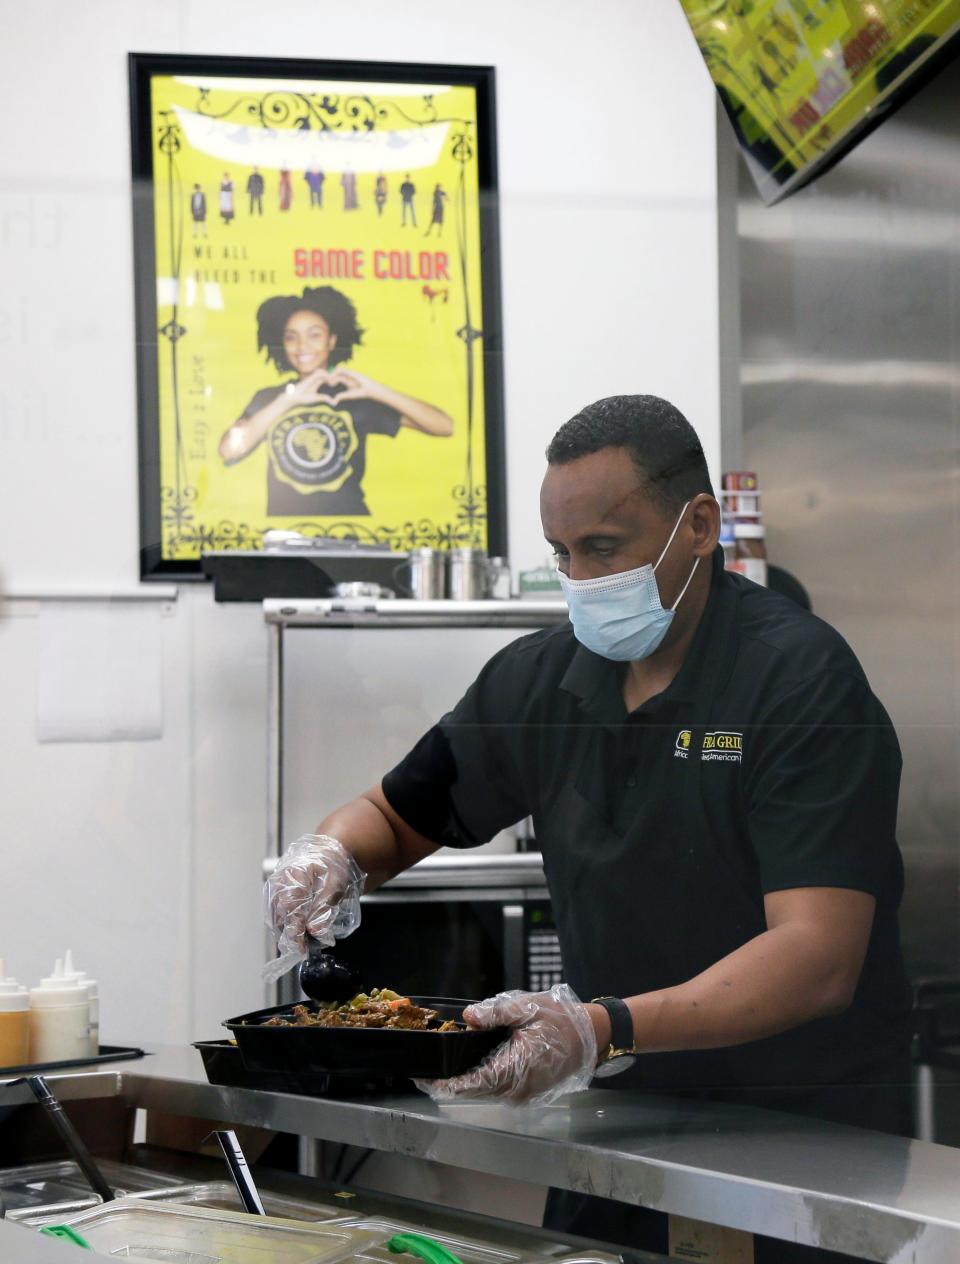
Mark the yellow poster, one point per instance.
(799, 77)
(320, 312)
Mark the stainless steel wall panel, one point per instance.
(850, 370)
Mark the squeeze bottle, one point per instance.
(59, 1019)
(14, 1022)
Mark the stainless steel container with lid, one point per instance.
(422, 574)
(466, 574)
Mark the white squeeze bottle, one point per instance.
(59, 1019)
(93, 997)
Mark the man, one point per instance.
(714, 790)
(407, 193)
(255, 187)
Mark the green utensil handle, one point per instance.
(423, 1247)
(66, 1234)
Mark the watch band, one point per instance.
(622, 1039)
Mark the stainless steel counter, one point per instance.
(366, 612)
(873, 1196)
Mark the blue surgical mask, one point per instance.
(620, 616)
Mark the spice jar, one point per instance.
(499, 580)
(750, 554)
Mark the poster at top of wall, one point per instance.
(318, 333)
(802, 80)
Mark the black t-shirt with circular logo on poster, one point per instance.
(317, 454)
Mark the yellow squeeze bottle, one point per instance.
(14, 1022)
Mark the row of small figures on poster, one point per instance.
(256, 188)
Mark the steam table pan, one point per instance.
(133, 1229)
(42, 1190)
(363, 1051)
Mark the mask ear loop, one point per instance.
(696, 563)
(676, 528)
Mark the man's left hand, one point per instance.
(551, 1051)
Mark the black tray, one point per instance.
(240, 575)
(363, 1051)
(224, 1065)
(108, 1053)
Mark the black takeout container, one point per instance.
(363, 1051)
(223, 1064)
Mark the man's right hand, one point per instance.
(314, 890)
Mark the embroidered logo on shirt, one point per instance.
(723, 745)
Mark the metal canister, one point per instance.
(424, 574)
(466, 574)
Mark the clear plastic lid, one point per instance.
(137, 1230)
(586, 1257)
(468, 1250)
(223, 1196)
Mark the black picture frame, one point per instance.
(484, 503)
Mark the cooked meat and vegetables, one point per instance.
(379, 1008)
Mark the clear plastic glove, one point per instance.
(551, 1051)
(314, 890)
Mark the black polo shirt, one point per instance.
(767, 764)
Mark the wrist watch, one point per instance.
(621, 1053)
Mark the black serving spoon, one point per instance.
(325, 977)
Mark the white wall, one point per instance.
(145, 856)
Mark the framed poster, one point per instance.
(317, 299)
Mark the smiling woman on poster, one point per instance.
(316, 425)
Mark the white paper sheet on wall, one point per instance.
(99, 675)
